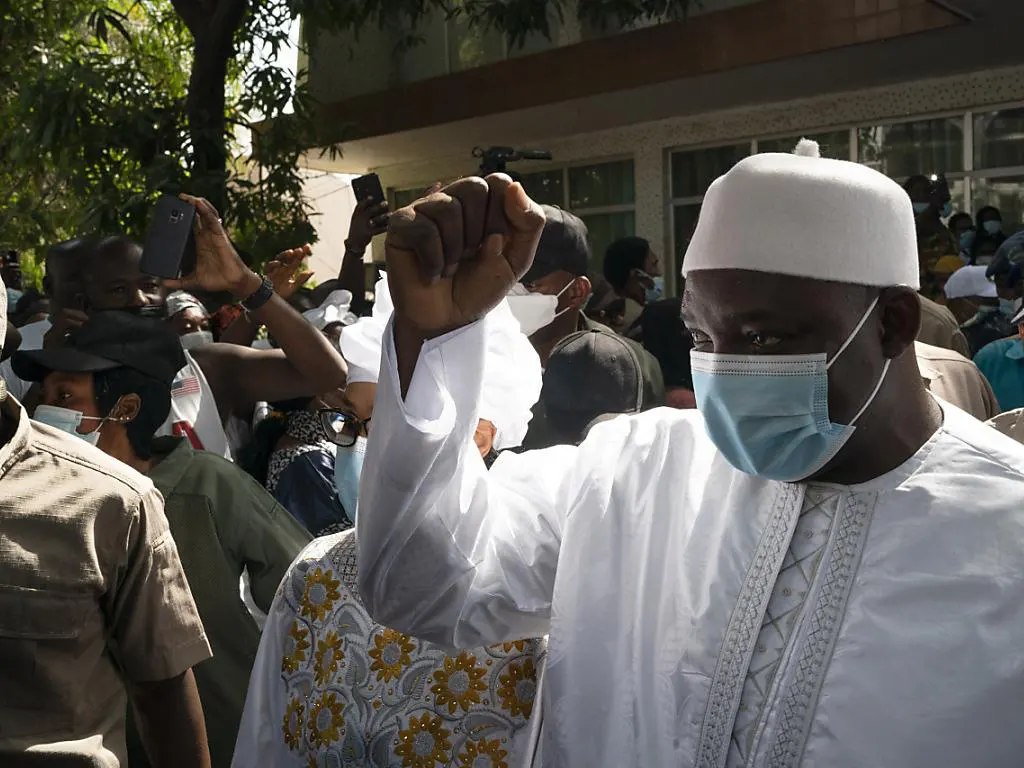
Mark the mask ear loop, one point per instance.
(852, 336)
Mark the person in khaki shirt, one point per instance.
(95, 608)
(952, 377)
(118, 371)
(940, 328)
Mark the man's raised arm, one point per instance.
(448, 551)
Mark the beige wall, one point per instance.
(650, 143)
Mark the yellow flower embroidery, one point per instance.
(518, 686)
(519, 645)
(424, 743)
(325, 721)
(296, 645)
(292, 725)
(321, 592)
(483, 754)
(390, 654)
(328, 656)
(459, 683)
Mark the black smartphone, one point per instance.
(170, 248)
(368, 187)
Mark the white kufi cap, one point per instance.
(970, 281)
(806, 216)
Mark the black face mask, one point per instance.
(151, 311)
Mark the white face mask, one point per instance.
(67, 420)
(533, 310)
(196, 339)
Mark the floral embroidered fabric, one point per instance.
(358, 693)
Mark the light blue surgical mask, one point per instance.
(768, 414)
(67, 420)
(656, 292)
(993, 227)
(920, 208)
(348, 467)
(1008, 307)
(966, 239)
(196, 339)
(947, 210)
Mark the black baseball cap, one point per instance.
(592, 373)
(564, 246)
(111, 339)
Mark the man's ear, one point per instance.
(126, 409)
(580, 292)
(901, 320)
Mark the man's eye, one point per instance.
(763, 339)
(700, 339)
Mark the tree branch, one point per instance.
(192, 13)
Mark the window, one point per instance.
(999, 139)
(603, 195)
(692, 174)
(921, 146)
(833, 144)
(545, 187)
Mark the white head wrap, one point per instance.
(512, 373)
(970, 281)
(179, 301)
(334, 309)
(806, 216)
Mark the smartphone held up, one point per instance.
(170, 247)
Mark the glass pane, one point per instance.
(923, 146)
(999, 139)
(1006, 194)
(684, 221)
(605, 229)
(593, 186)
(546, 187)
(834, 144)
(693, 172)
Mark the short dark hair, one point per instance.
(110, 386)
(956, 218)
(622, 257)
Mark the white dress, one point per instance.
(651, 563)
(329, 687)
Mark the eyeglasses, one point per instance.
(342, 428)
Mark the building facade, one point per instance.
(640, 121)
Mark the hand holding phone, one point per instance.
(218, 267)
(368, 187)
(170, 249)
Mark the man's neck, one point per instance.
(881, 443)
(545, 340)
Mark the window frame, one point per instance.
(968, 175)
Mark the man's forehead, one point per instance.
(747, 294)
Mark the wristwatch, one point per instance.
(260, 296)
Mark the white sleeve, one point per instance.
(260, 740)
(15, 386)
(448, 551)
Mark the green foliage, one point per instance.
(105, 104)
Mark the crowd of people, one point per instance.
(512, 508)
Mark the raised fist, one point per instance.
(455, 254)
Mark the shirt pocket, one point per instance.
(44, 659)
